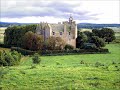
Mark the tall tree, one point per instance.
(55, 43)
(108, 34)
(33, 41)
(81, 39)
(99, 42)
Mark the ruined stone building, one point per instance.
(67, 30)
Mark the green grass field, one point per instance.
(65, 72)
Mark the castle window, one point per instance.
(69, 33)
(53, 33)
(60, 33)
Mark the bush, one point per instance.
(9, 58)
(68, 47)
(36, 58)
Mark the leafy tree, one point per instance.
(97, 32)
(81, 39)
(14, 34)
(88, 34)
(33, 41)
(55, 43)
(99, 42)
(108, 34)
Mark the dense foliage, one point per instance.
(99, 42)
(9, 58)
(14, 35)
(107, 34)
(32, 41)
(81, 39)
(54, 43)
(97, 37)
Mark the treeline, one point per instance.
(14, 35)
(7, 24)
(94, 39)
(93, 26)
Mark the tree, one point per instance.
(97, 32)
(88, 34)
(81, 39)
(99, 42)
(32, 41)
(14, 34)
(55, 43)
(108, 34)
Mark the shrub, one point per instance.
(9, 58)
(36, 58)
(68, 47)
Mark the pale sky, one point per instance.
(53, 11)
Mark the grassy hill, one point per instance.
(70, 72)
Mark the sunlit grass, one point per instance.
(65, 72)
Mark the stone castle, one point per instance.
(67, 30)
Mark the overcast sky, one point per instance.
(53, 11)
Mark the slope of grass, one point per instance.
(65, 72)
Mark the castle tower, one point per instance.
(70, 19)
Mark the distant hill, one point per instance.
(80, 25)
(6, 24)
(92, 26)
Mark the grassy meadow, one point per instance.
(69, 72)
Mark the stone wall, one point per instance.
(67, 31)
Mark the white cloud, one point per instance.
(33, 11)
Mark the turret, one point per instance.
(70, 19)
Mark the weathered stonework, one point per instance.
(67, 31)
